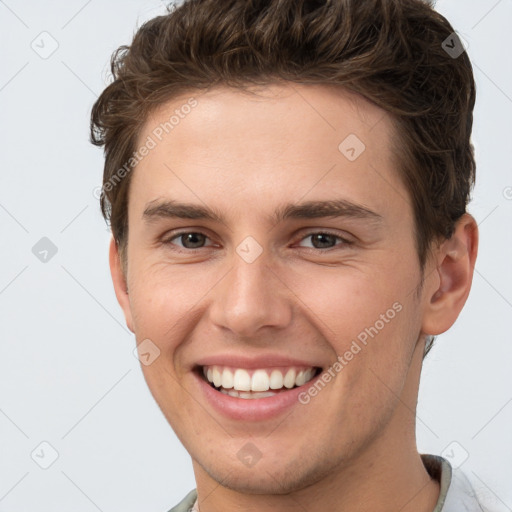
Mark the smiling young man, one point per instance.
(287, 184)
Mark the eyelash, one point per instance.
(345, 242)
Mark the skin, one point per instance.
(353, 446)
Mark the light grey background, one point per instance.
(68, 376)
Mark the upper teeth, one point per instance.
(257, 380)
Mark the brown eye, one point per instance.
(188, 240)
(323, 240)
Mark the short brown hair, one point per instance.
(391, 52)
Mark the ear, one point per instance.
(119, 281)
(450, 281)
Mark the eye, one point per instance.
(189, 240)
(325, 240)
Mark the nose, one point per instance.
(251, 297)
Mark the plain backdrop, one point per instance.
(68, 375)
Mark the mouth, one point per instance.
(257, 383)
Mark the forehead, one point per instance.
(291, 108)
(257, 146)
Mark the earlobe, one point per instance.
(120, 283)
(455, 259)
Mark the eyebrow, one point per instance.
(307, 210)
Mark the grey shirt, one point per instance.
(456, 493)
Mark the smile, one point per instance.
(257, 383)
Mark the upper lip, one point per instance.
(261, 361)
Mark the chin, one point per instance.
(267, 477)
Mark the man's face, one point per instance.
(277, 290)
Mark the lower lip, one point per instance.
(253, 409)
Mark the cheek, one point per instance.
(371, 320)
(162, 299)
(372, 324)
(348, 301)
(162, 303)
